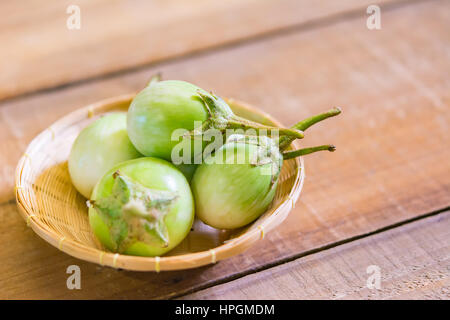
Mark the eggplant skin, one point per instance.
(230, 195)
(101, 145)
(187, 169)
(160, 109)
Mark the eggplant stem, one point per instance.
(306, 123)
(154, 79)
(304, 151)
(240, 123)
(221, 117)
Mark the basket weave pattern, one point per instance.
(53, 208)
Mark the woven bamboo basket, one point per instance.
(53, 208)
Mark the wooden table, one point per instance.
(381, 200)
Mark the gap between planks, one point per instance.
(210, 50)
(306, 253)
(413, 262)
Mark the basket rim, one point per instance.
(76, 249)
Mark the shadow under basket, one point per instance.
(53, 208)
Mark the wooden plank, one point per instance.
(39, 51)
(391, 164)
(413, 262)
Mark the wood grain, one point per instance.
(39, 51)
(391, 163)
(413, 260)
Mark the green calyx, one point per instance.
(267, 149)
(135, 213)
(267, 152)
(221, 117)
